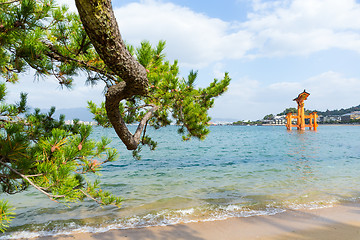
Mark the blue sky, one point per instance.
(273, 50)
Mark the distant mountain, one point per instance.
(82, 114)
(339, 112)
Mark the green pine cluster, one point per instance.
(47, 38)
(178, 100)
(39, 151)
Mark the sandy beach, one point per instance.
(340, 222)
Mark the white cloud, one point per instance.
(218, 70)
(70, 4)
(274, 28)
(326, 89)
(193, 38)
(302, 27)
(244, 89)
(264, 6)
(333, 89)
(249, 99)
(241, 101)
(46, 93)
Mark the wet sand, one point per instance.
(340, 222)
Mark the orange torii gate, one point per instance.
(300, 117)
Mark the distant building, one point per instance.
(350, 116)
(267, 121)
(331, 118)
(278, 120)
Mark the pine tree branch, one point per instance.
(100, 24)
(89, 196)
(112, 109)
(35, 175)
(143, 122)
(10, 2)
(54, 54)
(51, 196)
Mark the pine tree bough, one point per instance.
(51, 196)
(54, 54)
(9, 2)
(101, 26)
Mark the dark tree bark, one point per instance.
(100, 24)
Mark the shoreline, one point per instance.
(283, 125)
(319, 124)
(338, 222)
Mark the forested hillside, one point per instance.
(339, 112)
(325, 113)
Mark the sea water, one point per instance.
(238, 171)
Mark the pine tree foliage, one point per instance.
(176, 99)
(37, 150)
(6, 215)
(47, 38)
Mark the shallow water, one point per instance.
(237, 171)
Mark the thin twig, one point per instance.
(35, 175)
(138, 107)
(144, 132)
(89, 196)
(9, 2)
(53, 53)
(31, 183)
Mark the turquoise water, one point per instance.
(238, 171)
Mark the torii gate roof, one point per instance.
(302, 96)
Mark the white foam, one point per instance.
(233, 208)
(162, 218)
(313, 205)
(186, 211)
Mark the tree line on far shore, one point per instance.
(328, 112)
(335, 112)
